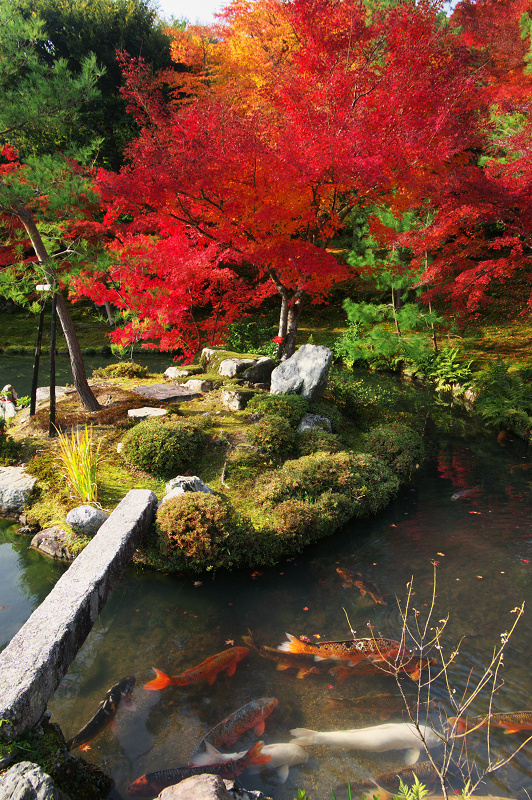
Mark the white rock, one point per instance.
(7, 409)
(198, 385)
(86, 519)
(145, 412)
(16, 487)
(175, 372)
(231, 367)
(305, 373)
(184, 483)
(311, 421)
(233, 400)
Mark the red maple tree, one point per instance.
(297, 113)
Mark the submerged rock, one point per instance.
(52, 542)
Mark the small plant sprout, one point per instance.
(79, 454)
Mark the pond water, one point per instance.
(483, 544)
(17, 369)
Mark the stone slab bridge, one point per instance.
(35, 661)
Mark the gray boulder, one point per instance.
(53, 543)
(7, 410)
(305, 373)
(145, 412)
(16, 487)
(197, 385)
(311, 421)
(172, 373)
(27, 781)
(198, 787)
(261, 371)
(233, 400)
(86, 519)
(9, 393)
(184, 483)
(233, 367)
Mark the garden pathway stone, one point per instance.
(165, 393)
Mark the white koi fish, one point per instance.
(377, 739)
(283, 756)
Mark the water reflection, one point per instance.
(26, 577)
(483, 550)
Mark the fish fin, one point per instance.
(255, 755)
(231, 668)
(415, 675)
(321, 658)
(512, 730)
(341, 673)
(129, 705)
(303, 736)
(281, 667)
(211, 677)
(211, 749)
(259, 727)
(282, 772)
(161, 681)
(304, 671)
(411, 756)
(293, 645)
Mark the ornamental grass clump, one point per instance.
(79, 455)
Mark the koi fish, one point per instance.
(283, 756)
(353, 650)
(366, 587)
(512, 722)
(208, 670)
(411, 666)
(152, 783)
(382, 704)
(118, 695)
(252, 715)
(466, 493)
(524, 467)
(377, 739)
(303, 662)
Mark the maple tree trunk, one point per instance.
(294, 313)
(86, 395)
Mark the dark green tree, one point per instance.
(76, 28)
(41, 183)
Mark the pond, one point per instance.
(17, 369)
(481, 545)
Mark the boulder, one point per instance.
(165, 393)
(7, 410)
(145, 412)
(27, 781)
(305, 373)
(233, 400)
(9, 393)
(16, 487)
(184, 483)
(233, 367)
(198, 787)
(52, 542)
(310, 421)
(261, 371)
(86, 519)
(197, 385)
(173, 373)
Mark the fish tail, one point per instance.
(293, 645)
(461, 724)
(161, 681)
(341, 673)
(256, 756)
(304, 736)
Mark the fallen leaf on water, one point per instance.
(393, 525)
(525, 561)
(255, 575)
(85, 747)
(440, 554)
(229, 641)
(198, 583)
(316, 635)
(305, 608)
(4, 606)
(475, 512)
(479, 576)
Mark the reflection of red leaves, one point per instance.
(305, 608)
(4, 606)
(255, 575)
(85, 747)
(198, 583)
(525, 561)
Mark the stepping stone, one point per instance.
(145, 412)
(165, 393)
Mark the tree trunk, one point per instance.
(294, 313)
(86, 395)
(283, 321)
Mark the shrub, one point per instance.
(9, 448)
(316, 439)
(203, 532)
(251, 335)
(373, 483)
(244, 465)
(358, 399)
(274, 437)
(398, 445)
(164, 447)
(123, 369)
(305, 478)
(327, 409)
(505, 399)
(288, 406)
(304, 521)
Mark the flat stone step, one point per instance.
(165, 393)
(145, 412)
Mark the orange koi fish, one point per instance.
(424, 771)
(152, 783)
(409, 665)
(303, 662)
(352, 650)
(512, 722)
(252, 715)
(366, 587)
(208, 670)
